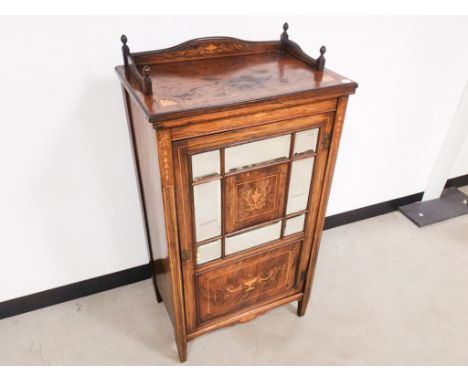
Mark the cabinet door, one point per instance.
(247, 203)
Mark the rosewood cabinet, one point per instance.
(234, 144)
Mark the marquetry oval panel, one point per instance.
(255, 196)
(247, 282)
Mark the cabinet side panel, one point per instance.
(145, 148)
(332, 155)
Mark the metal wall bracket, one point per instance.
(452, 203)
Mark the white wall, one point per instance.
(69, 207)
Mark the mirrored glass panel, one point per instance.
(252, 238)
(294, 225)
(306, 141)
(207, 203)
(248, 154)
(208, 252)
(301, 175)
(205, 164)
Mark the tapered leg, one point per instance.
(155, 285)
(302, 307)
(182, 349)
(158, 295)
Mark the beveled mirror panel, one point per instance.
(205, 164)
(208, 252)
(249, 154)
(306, 141)
(252, 238)
(294, 225)
(207, 206)
(299, 184)
(253, 200)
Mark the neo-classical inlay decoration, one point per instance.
(164, 145)
(253, 282)
(255, 199)
(212, 48)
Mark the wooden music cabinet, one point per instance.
(235, 144)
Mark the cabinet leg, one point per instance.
(182, 349)
(302, 306)
(158, 295)
(156, 290)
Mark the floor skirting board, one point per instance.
(384, 207)
(128, 276)
(71, 291)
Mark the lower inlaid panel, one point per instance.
(246, 282)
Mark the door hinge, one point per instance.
(185, 255)
(326, 141)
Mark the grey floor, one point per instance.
(385, 293)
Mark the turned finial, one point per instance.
(284, 35)
(146, 70)
(125, 49)
(147, 85)
(320, 62)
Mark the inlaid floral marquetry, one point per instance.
(205, 49)
(255, 197)
(247, 281)
(253, 282)
(164, 145)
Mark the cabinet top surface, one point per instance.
(209, 74)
